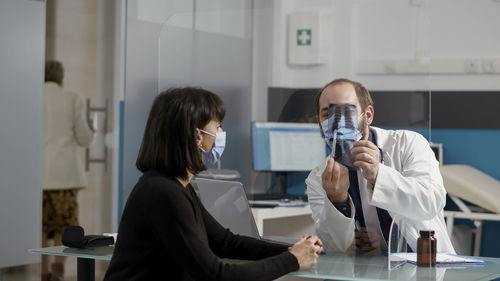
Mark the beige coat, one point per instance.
(65, 131)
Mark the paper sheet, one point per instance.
(441, 259)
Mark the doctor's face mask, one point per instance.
(340, 131)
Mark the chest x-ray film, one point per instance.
(342, 131)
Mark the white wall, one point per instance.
(21, 111)
(380, 30)
(443, 29)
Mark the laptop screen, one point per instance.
(226, 201)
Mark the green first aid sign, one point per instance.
(304, 37)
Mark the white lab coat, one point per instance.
(65, 130)
(408, 185)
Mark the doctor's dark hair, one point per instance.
(364, 97)
(169, 142)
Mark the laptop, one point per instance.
(227, 202)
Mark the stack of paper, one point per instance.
(442, 259)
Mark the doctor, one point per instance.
(394, 173)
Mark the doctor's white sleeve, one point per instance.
(335, 230)
(416, 190)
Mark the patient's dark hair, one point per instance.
(169, 142)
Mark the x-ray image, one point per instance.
(342, 131)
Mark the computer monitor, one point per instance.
(287, 146)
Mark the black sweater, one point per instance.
(166, 234)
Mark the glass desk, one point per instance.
(85, 258)
(345, 267)
(338, 267)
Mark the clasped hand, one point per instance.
(307, 250)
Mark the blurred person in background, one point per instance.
(66, 130)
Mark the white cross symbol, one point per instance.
(304, 37)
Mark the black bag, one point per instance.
(73, 237)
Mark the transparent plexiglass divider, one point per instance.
(208, 44)
(178, 43)
(397, 244)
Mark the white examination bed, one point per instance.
(467, 183)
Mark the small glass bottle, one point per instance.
(426, 249)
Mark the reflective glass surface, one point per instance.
(345, 267)
(338, 267)
(98, 253)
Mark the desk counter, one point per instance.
(338, 267)
(344, 267)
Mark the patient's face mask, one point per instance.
(213, 155)
(341, 131)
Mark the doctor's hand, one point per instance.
(335, 181)
(367, 157)
(307, 251)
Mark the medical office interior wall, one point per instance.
(389, 31)
(439, 34)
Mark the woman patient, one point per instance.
(165, 232)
